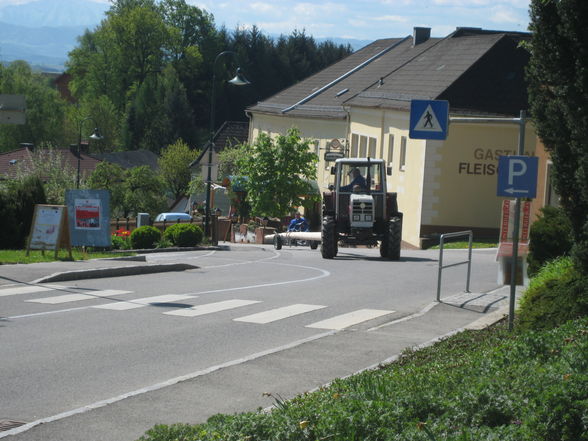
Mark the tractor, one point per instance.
(357, 210)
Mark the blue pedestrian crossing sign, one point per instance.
(517, 176)
(429, 119)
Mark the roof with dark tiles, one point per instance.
(9, 161)
(479, 72)
(229, 133)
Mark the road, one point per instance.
(94, 342)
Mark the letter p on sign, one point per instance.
(516, 167)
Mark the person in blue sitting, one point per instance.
(298, 223)
(356, 180)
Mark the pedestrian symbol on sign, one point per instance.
(428, 121)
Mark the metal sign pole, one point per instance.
(515, 234)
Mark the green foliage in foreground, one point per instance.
(477, 385)
(35, 256)
(558, 293)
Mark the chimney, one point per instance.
(420, 35)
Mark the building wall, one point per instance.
(442, 186)
(390, 129)
(466, 166)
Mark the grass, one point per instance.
(35, 256)
(458, 245)
(478, 385)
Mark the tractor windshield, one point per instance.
(354, 178)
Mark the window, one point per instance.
(402, 165)
(354, 145)
(372, 148)
(551, 197)
(362, 146)
(390, 149)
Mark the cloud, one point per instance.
(392, 18)
(504, 15)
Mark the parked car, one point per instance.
(172, 217)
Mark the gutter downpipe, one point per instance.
(345, 75)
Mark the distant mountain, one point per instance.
(54, 13)
(43, 32)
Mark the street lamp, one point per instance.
(238, 80)
(95, 135)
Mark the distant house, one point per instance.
(360, 106)
(130, 158)
(230, 133)
(9, 161)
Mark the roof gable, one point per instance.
(394, 71)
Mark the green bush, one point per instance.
(145, 237)
(486, 385)
(121, 243)
(558, 293)
(550, 237)
(184, 235)
(17, 205)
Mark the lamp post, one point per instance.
(95, 135)
(238, 80)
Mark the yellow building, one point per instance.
(361, 106)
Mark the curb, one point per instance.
(97, 273)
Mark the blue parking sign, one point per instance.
(517, 176)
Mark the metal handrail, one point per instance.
(469, 261)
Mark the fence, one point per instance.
(469, 261)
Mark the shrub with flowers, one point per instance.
(121, 239)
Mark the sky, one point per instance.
(362, 19)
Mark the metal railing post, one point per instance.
(469, 261)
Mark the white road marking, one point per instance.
(79, 296)
(279, 313)
(352, 318)
(28, 289)
(209, 308)
(139, 303)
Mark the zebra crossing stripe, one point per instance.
(28, 289)
(139, 303)
(352, 318)
(273, 315)
(210, 308)
(66, 298)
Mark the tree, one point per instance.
(110, 177)
(558, 94)
(278, 173)
(50, 166)
(144, 192)
(45, 110)
(174, 165)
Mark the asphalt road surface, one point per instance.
(70, 345)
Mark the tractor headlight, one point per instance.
(356, 218)
(368, 217)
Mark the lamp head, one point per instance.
(96, 135)
(239, 79)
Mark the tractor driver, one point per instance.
(356, 180)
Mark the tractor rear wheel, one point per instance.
(394, 238)
(329, 238)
